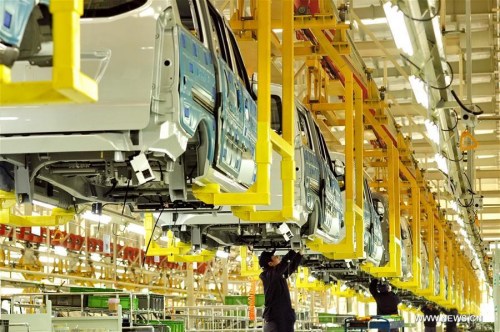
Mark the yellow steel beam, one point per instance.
(285, 145)
(259, 193)
(57, 217)
(68, 83)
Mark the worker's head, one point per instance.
(267, 259)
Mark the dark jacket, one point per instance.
(430, 315)
(278, 306)
(387, 302)
(451, 320)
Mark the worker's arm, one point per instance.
(373, 287)
(289, 263)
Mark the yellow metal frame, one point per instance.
(68, 83)
(259, 194)
(58, 217)
(302, 281)
(353, 215)
(285, 145)
(176, 251)
(393, 267)
(246, 270)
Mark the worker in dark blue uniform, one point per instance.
(387, 300)
(279, 315)
(431, 316)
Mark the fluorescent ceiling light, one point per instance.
(137, 229)
(8, 118)
(432, 131)
(420, 90)
(44, 205)
(398, 27)
(373, 21)
(442, 163)
(103, 219)
(222, 254)
(61, 251)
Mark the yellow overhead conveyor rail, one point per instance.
(68, 84)
(405, 184)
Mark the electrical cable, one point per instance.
(151, 237)
(456, 122)
(449, 84)
(463, 106)
(438, 8)
(454, 160)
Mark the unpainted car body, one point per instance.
(175, 108)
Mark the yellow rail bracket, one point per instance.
(57, 217)
(7, 199)
(68, 84)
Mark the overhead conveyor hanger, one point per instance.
(259, 194)
(68, 84)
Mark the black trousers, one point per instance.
(275, 326)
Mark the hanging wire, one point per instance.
(421, 19)
(463, 106)
(455, 125)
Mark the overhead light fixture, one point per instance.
(43, 204)
(420, 90)
(137, 229)
(441, 162)
(100, 218)
(374, 21)
(432, 131)
(61, 251)
(398, 27)
(222, 254)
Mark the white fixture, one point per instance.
(102, 218)
(44, 205)
(442, 163)
(222, 254)
(432, 131)
(398, 27)
(420, 90)
(137, 229)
